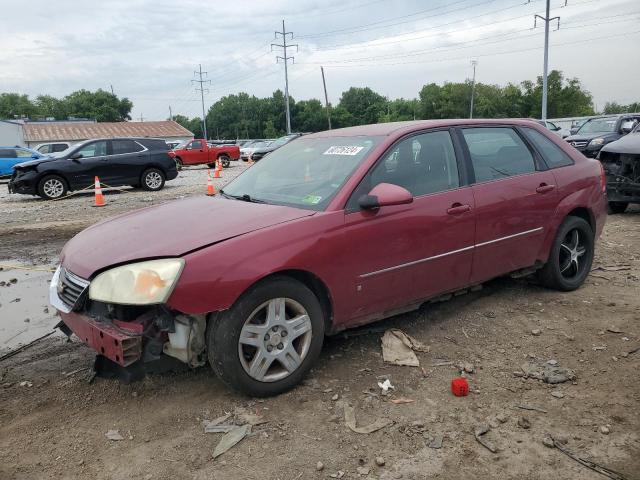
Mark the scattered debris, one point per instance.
(319, 466)
(555, 374)
(231, 439)
(460, 387)
(612, 268)
(552, 362)
(26, 383)
(614, 329)
(335, 397)
(386, 385)
(436, 443)
(363, 470)
(243, 416)
(605, 429)
(441, 364)
(114, 435)
(398, 348)
(536, 332)
(531, 407)
(557, 394)
(467, 368)
(350, 421)
(401, 401)
(380, 461)
(479, 432)
(339, 474)
(589, 464)
(217, 425)
(524, 423)
(547, 441)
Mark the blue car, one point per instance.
(10, 156)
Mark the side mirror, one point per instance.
(385, 194)
(76, 156)
(35, 156)
(626, 127)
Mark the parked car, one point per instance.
(259, 153)
(11, 156)
(551, 126)
(140, 162)
(174, 143)
(621, 162)
(199, 152)
(598, 131)
(54, 147)
(326, 235)
(248, 149)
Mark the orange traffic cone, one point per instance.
(210, 190)
(99, 199)
(216, 173)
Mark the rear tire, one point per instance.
(571, 256)
(226, 161)
(269, 339)
(152, 179)
(179, 164)
(52, 187)
(617, 207)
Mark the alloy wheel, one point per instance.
(153, 180)
(572, 249)
(275, 339)
(53, 188)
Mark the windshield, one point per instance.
(596, 125)
(306, 173)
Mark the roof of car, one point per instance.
(384, 129)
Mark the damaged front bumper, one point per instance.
(623, 176)
(126, 334)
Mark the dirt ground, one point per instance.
(53, 421)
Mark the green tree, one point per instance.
(15, 105)
(101, 105)
(49, 106)
(364, 105)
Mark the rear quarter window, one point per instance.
(553, 155)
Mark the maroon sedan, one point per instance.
(333, 230)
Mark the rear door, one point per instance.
(515, 198)
(126, 162)
(404, 254)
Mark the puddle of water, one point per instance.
(32, 288)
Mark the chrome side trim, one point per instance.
(415, 262)
(539, 229)
(452, 252)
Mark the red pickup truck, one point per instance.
(199, 152)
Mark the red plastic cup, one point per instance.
(460, 387)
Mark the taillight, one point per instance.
(603, 178)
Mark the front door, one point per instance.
(91, 164)
(402, 255)
(193, 153)
(514, 201)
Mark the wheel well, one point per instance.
(317, 286)
(585, 214)
(223, 154)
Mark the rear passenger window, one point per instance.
(552, 153)
(125, 146)
(497, 152)
(7, 153)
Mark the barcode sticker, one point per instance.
(343, 150)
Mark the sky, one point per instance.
(147, 50)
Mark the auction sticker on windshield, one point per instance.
(343, 150)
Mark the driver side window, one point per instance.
(195, 145)
(95, 149)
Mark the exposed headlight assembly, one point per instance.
(142, 283)
(597, 141)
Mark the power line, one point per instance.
(546, 19)
(285, 60)
(200, 73)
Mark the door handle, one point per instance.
(458, 208)
(544, 188)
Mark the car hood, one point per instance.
(588, 136)
(169, 230)
(629, 144)
(34, 162)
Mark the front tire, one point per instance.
(52, 187)
(269, 339)
(571, 256)
(152, 179)
(617, 207)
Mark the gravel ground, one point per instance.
(53, 422)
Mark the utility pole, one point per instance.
(546, 19)
(326, 98)
(141, 118)
(112, 89)
(473, 86)
(200, 73)
(170, 113)
(283, 34)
